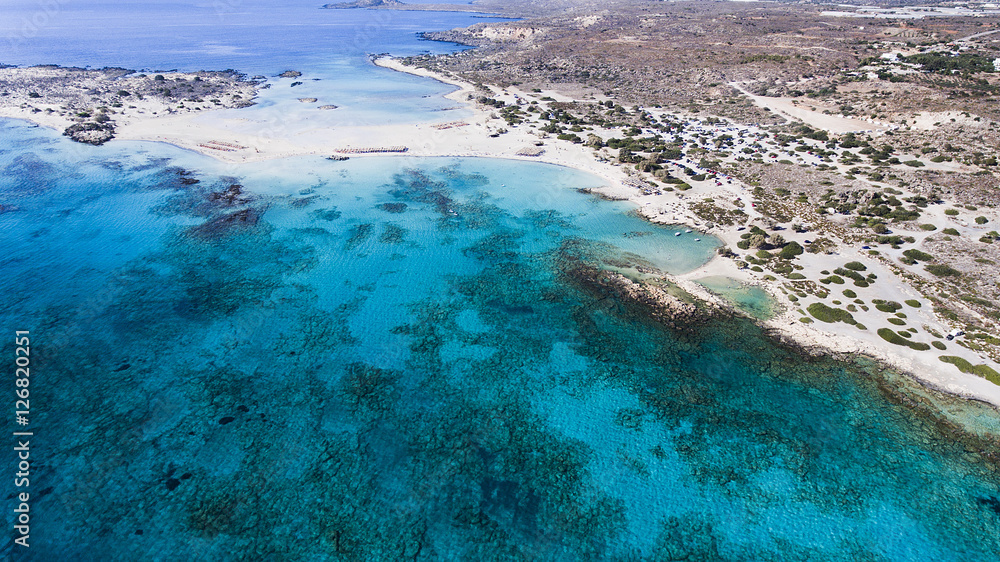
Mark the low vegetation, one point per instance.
(965, 366)
(894, 337)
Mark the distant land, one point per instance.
(397, 5)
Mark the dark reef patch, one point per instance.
(395, 208)
(328, 215)
(359, 234)
(392, 234)
(227, 224)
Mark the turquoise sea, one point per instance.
(400, 358)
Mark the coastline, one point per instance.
(473, 138)
(835, 340)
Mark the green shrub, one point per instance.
(951, 212)
(939, 345)
(806, 320)
(850, 294)
(951, 232)
(790, 250)
(836, 279)
(855, 266)
(859, 280)
(917, 255)
(828, 314)
(982, 220)
(984, 371)
(928, 227)
(897, 321)
(894, 338)
(941, 270)
(886, 306)
(796, 275)
(913, 303)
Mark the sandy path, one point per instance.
(787, 108)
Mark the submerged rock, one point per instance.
(223, 225)
(393, 207)
(231, 196)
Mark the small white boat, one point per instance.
(677, 234)
(688, 231)
(697, 239)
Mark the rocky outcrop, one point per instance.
(91, 133)
(641, 298)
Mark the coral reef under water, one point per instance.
(474, 380)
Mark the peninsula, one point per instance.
(90, 105)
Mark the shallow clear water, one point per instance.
(393, 358)
(388, 358)
(747, 298)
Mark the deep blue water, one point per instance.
(253, 36)
(401, 358)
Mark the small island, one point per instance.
(89, 104)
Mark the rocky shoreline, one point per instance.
(645, 299)
(951, 412)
